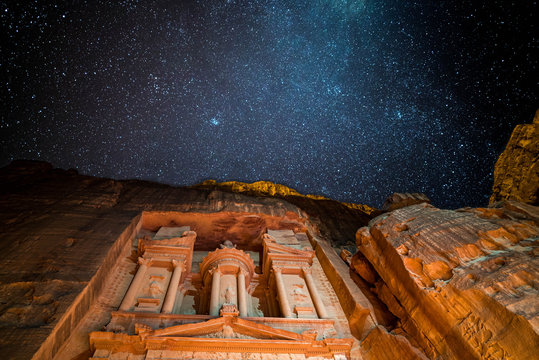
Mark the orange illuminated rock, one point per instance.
(268, 188)
(462, 283)
(516, 174)
(335, 220)
(381, 345)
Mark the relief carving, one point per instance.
(142, 328)
(329, 333)
(227, 333)
(227, 244)
(480, 337)
(155, 289)
(178, 264)
(298, 294)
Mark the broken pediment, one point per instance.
(186, 240)
(275, 252)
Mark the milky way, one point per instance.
(354, 100)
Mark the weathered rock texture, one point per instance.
(400, 200)
(462, 283)
(317, 207)
(59, 232)
(380, 345)
(516, 174)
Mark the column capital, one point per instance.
(242, 271)
(214, 270)
(277, 269)
(143, 261)
(178, 264)
(307, 270)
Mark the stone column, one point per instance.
(242, 293)
(215, 290)
(129, 297)
(317, 300)
(170, 298)
(281, 291)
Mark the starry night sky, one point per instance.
(354, 100)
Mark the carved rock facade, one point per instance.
(103, 269)
(228, 303)
(70, 249)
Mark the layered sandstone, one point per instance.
(516, 174)
(462, 283)
(400, 200)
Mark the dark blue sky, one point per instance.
(350, 99)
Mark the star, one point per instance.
(352, 102)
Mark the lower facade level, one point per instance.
(228, 303)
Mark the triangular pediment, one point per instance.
(229, 327)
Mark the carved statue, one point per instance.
(229, 293)
(227, 244)
(298, 293)
(155, 289)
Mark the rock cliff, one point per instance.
(268, 188)
(516, 174)
(318, 208)
(462, 283)
(400, 200)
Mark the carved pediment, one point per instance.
(228, 334)
(224, 327)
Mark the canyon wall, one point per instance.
(462, 284)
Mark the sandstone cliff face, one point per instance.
(58, 228)
(321, 210)
(516, 174)
(462, 283)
